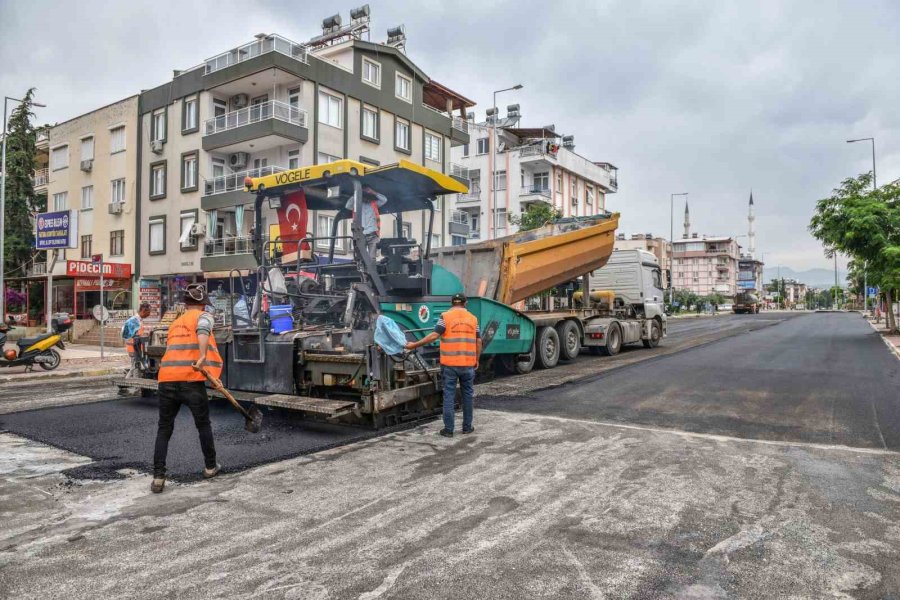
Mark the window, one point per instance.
(189, 172)
(465, 149)
(185, 239)
(457, 240)
(118, 191)
(158, 235)
(158, 180)
(327, 158)
(260, 163)
(403, 88)
(499, 180)
(559, 187)
(482, 145)
(87, 148)
(369, 126)
(522, 178)
(371, 72)
(158, 126)
(500, 218)
(293, 159)
(220, 107)
(87, 241)
(87, 197)
(405, 229)
(433, 147)
(589, 194)
(541, 181)
(401, 136)
(59, 201)
(294, 104)
(331, 110)
(324, 223)
(59, 158)
(117, 243)
(474, 183)
(435, 240)
(117, 139)
(190, 115)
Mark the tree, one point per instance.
(685, 298)
(864, 224)
(536, 215)
(21, 201)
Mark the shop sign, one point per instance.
(90, 284)
(56, 230)
(84, 268)
(152, 296)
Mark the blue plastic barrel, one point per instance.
(280, 317)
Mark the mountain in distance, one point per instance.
(820, 278)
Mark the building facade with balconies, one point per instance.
(272, 105)
(92, 172)
(706, 265)
(529, 166)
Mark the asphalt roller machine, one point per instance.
(327, 365)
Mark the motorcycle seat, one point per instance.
(26, 342)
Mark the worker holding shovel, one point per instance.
(190, 350)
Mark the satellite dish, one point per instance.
(101, 313)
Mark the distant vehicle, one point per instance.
(726, 307)
(745, 302)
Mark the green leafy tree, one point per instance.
(864, 224)
(685, 298)
(536, 215)
(21, 201)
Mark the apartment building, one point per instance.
(266, 106)
(750, 273)
(92, 172)
(658, 246)
(529, 166)
(706, 265)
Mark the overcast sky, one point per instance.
(712, 98)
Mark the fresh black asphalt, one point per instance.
(820, 378)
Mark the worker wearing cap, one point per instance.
(370, 218)
(460, 349)
(190, 346)
(133, 333)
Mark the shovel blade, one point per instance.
(254, 421)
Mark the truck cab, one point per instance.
(636, 279)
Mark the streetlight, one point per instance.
(3, 204)
(866, 264)
(493, 161)
(672, 245)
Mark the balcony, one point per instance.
(40, 179)
(475, 235)
(267, 125)
(459, 172)
(472, 197)
(459, 223)
(37, 270)
(224, 254)
(535, 193)
(228, 190)
(535, 154)
(258, 47)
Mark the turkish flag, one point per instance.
(292, 219)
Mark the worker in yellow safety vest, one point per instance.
(190, 346)
(460, 351)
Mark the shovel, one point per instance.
(252, 415)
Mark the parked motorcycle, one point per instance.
(39, 350)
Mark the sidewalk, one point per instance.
(77, 361)
(892, 341)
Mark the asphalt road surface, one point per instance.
(821, 378)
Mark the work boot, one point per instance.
(446, 433)
(157, 485)
(210, 473)
(468, 429)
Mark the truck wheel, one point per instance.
(518, 367)
(655, 334)
(569, 340)
(613, 340)
(547, 348)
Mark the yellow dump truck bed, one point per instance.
(514, 267)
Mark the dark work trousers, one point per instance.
(172, 394)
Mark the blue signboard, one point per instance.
(872, 292)
(56, 230)
(746, 285)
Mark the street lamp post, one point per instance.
(672, 245)
(874, 187)
(493, 161)
(3, 204)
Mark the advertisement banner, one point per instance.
(93, 284)
(56, 230)
(153, 297)
(746, 285)
(83, 268)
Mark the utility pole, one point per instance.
(672, 245)
(835, 282)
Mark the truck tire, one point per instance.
(655, 335)
(613, 340)
(569, 340)
(518, 367)
(546, 348)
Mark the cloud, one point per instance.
(713, 98)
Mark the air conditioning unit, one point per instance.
(115, 208)
(240, 101)
(198, 229)
(239, 160)
(156, 146)
(87, 165)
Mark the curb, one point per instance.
(62, 374)
(890, 346)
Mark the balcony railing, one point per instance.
(535, 150)
(272, 109)
(459, 171)
(228, 246)
(460, 124)
(41, 177)
(271, 43)
(38, 269)
(535, 190)
(235, 181)
(460, 216)
(474, 195)
(475, 235)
